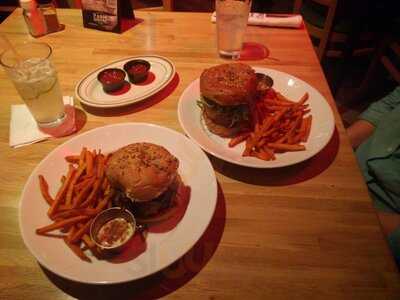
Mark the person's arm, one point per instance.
(377, 110)
(369, 119)
(359, 131)
(389, 222)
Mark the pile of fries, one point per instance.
(280, 125)
(84, 192)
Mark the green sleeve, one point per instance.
(377, 110)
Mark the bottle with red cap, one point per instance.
(33, 18)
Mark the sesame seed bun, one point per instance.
(143, 171)
(229, 84)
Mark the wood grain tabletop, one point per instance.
(303, 232)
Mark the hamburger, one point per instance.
(146, 179)
(226, 91)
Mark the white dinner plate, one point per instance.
(162, 248)
(323, 123)
(90, 91)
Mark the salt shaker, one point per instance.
(33, 18)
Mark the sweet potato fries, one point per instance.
(279, 125)
(84, 192)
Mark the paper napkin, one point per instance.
(24, 130)
(290, 21)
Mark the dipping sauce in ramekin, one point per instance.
(137, 70)
(112, 229)
(114, 233)
(112, 79)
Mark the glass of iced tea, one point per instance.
(29, 67)
(232, 16)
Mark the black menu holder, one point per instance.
(114, 16)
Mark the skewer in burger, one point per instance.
(146, 179)
(226, 91)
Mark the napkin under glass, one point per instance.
(25, 131)
(260, 19)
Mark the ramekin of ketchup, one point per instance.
(137, 70)
(112, 79)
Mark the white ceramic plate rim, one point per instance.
(186, 241)
(191, 121)
(153, 91)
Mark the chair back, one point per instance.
(7, 9)
(8, 6)
(324, 33)
(68, 3)
(189, 5)
(168, 5)
(390, 62)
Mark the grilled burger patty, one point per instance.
(155, 207)
(227, 116)
(222, 130)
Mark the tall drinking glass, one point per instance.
(29, 68)
(232, 16)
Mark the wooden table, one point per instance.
(303, 232)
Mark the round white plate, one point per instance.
(162, 248)
(323, 123)
(90, 91)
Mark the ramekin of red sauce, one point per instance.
(137, 70)
(112, 79)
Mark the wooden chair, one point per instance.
(7, 9)
(147, 5)
(68, 3)
(387, 55)
(189, 5)
(8, 6)
(331, 30)
(391, 65)
(168, 5)
(323, 32)
(136, 4)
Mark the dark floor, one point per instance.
(344, 77)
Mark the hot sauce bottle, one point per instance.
(33, 18)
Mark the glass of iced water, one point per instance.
(232, 16)
(29, 67)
